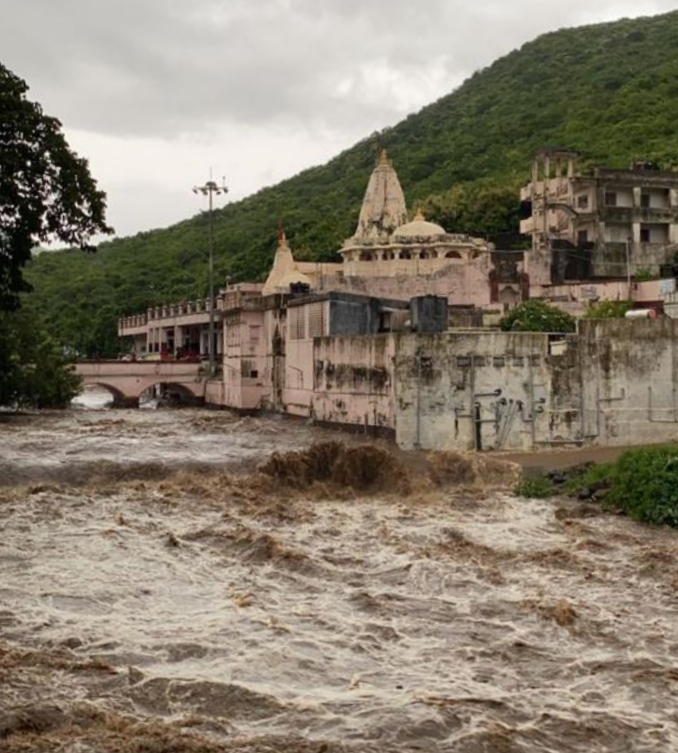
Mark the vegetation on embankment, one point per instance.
(642, 483)
(609, 90)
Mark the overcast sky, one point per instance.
(154, 92)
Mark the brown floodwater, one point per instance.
(158, 592)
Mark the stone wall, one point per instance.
(613, 383)
(462, 284)
(471, 390)
(629, 371)
(354, 382)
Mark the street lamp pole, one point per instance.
(210, 189)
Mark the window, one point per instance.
(254, 374)
(644, 199)
(316, 323)
(582, 237)
(297, 323)
(644, 234)
(583, 201)
(610, 199)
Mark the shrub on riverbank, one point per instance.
(642, 483)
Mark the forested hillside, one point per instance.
(609, 90)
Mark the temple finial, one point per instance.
(282, 238)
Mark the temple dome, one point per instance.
(419, 227)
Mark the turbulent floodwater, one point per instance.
(157, 593)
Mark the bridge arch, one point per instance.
(118, 398)
(174, 393)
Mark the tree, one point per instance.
(487, 208)
(34, 371)
(46, 190)
(46, 194)
(537, 316)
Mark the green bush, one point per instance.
(537, 487)
(645, 485)
(537, 316)
(642, 483)
(597, 476)
(608, 309)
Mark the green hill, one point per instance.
(608, 90)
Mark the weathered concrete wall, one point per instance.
(244, 359)
(471, 390)
(614, 383)
(354, 382)
(629, 371)
(462, 284)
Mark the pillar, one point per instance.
(178, 338)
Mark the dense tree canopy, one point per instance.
(34, 371)
(46, 191)
(46, 194)
(608, 90)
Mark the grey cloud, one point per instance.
(165, 67)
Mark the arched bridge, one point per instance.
(128, 380)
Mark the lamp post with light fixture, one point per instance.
(210, 189)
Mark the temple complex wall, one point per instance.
(463, 285)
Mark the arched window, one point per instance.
(453, 255)
(405, 255)
(365, 256)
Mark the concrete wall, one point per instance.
(470, 390)
(462, 284)
(629, 371)
(354, 382)
(244, 359)
(614, 383)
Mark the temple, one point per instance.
(305, 340)
(392, 256)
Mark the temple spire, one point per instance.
(383, 208)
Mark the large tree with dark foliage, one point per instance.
(46, 194)
(46, 190)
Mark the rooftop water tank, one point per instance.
(641, 314)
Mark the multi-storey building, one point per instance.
(605, 224)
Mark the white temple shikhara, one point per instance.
(385, 244)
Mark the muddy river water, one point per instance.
(157, 593)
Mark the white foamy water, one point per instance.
(448, 621)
